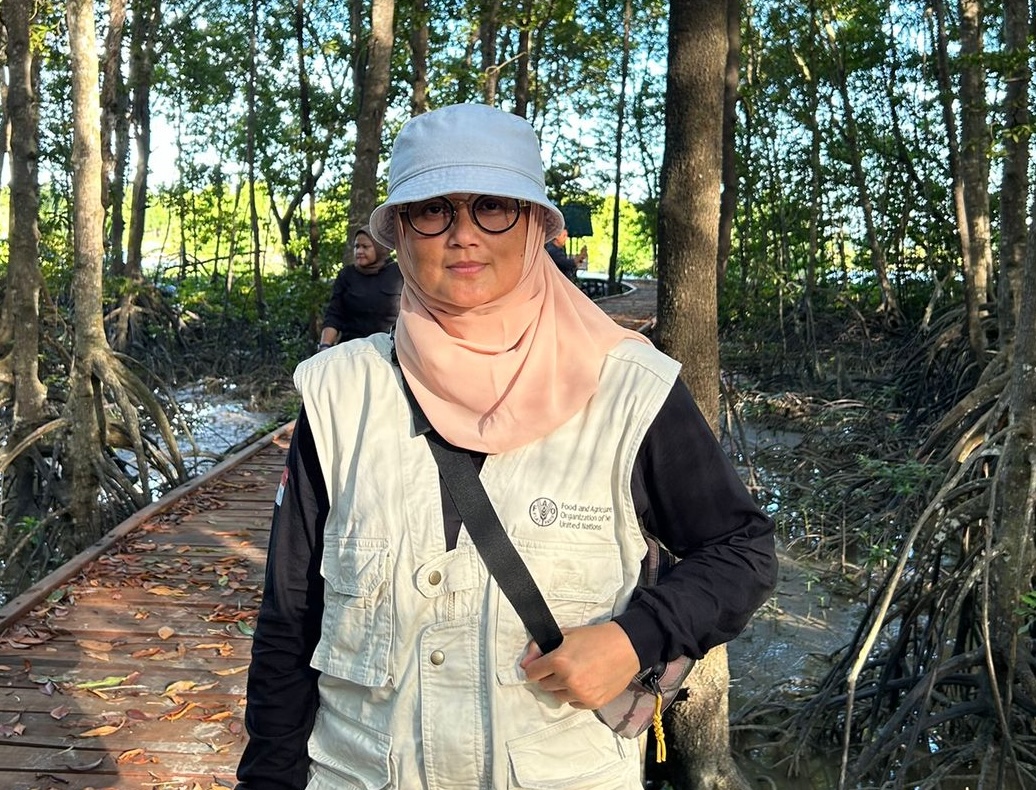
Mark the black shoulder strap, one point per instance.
(499, 554)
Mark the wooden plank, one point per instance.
(131, 702)
(199, 737)
(60, 675)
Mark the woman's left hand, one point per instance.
(591, 667)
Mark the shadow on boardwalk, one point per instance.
(126, 667)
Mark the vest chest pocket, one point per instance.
(577, 753)
(579, 584)
(356, 630)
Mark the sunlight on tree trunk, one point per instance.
(99, 491)
(309, 179)
(816, 198)
(145, 25)
(250, 156)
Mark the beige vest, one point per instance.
(420, 685)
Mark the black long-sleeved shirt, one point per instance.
(686, 493)
(362, 304)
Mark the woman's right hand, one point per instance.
(593, 665)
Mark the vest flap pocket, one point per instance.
(579, 584)
(357, 568)
(580, 575)
(581, 572)
(356, 628)
(544, 760)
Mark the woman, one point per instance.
(384, 655)
(365, 296)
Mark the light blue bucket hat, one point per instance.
(466, 148)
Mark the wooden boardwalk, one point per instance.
(126, 667)
(636, 309)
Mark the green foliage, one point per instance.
(879, 555)
(636, 252)
(798, 231)
(799, 211)
(294, 299)
(333, 216)
(1027, 610)
(219, 329)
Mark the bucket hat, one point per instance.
(467, 148)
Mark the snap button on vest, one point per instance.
(434, 577)
(437, 657)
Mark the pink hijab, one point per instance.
(499, 376)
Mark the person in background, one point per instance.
(569, 264)
(365, 295)
(384, 655)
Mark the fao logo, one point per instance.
(543, 512)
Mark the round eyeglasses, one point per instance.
(490, 213)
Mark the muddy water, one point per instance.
(216, 423)
(790, 641)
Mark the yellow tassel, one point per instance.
(656, 722)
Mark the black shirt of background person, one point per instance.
(362, 304)
(565, 262)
